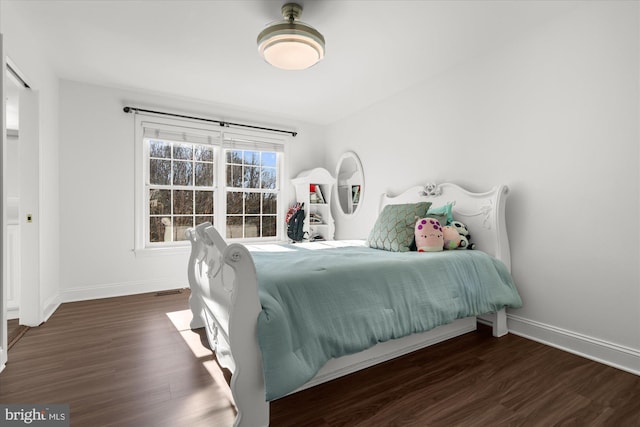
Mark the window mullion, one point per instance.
(193, 191)
(220, 210)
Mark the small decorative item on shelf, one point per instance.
(315, 194)
(315, 218)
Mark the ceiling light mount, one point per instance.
(291, 11)
(291, 44)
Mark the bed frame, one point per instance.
(224, 298)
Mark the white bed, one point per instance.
(224, 298)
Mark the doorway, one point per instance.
(11, 177)
(21, 190)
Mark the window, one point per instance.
(180, 188)
(252, 193)
(189, 173)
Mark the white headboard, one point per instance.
(482, 213)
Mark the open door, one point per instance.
(3, 294)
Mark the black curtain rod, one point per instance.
(220, 122)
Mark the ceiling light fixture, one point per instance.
(291, 44)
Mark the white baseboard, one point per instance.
(13, 313)
(109, 290)
(617, 356)
(50, 306)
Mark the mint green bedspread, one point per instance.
(321, 304)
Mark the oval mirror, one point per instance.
(350, 182)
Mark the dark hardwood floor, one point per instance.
(12, 325)
(133, 361)
(15, 331)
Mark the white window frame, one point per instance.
(222, 139)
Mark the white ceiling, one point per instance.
(206, 50)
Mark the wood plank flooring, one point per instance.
(133, 361)
(12, 325)
(15, 331)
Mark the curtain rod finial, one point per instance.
(126, 109)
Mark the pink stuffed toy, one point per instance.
(451, 237)
(429, 237)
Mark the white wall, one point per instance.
(97, 188)
(555, 117)
(39, 167)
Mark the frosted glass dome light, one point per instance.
(291, 44)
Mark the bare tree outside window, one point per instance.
(180, 185)
(189, 172)
(180, 188)
(251, 193)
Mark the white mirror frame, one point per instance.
(345, 184)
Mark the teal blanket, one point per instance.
(321, 304)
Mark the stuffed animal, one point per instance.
(451, 237)
(429, 237)
(465, 237)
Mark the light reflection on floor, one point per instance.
(194, 340)
(181, 321)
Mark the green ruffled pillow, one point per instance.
(445, 210)
(394, 228)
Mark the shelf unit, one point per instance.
(320, 180)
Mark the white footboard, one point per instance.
(224, 300)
